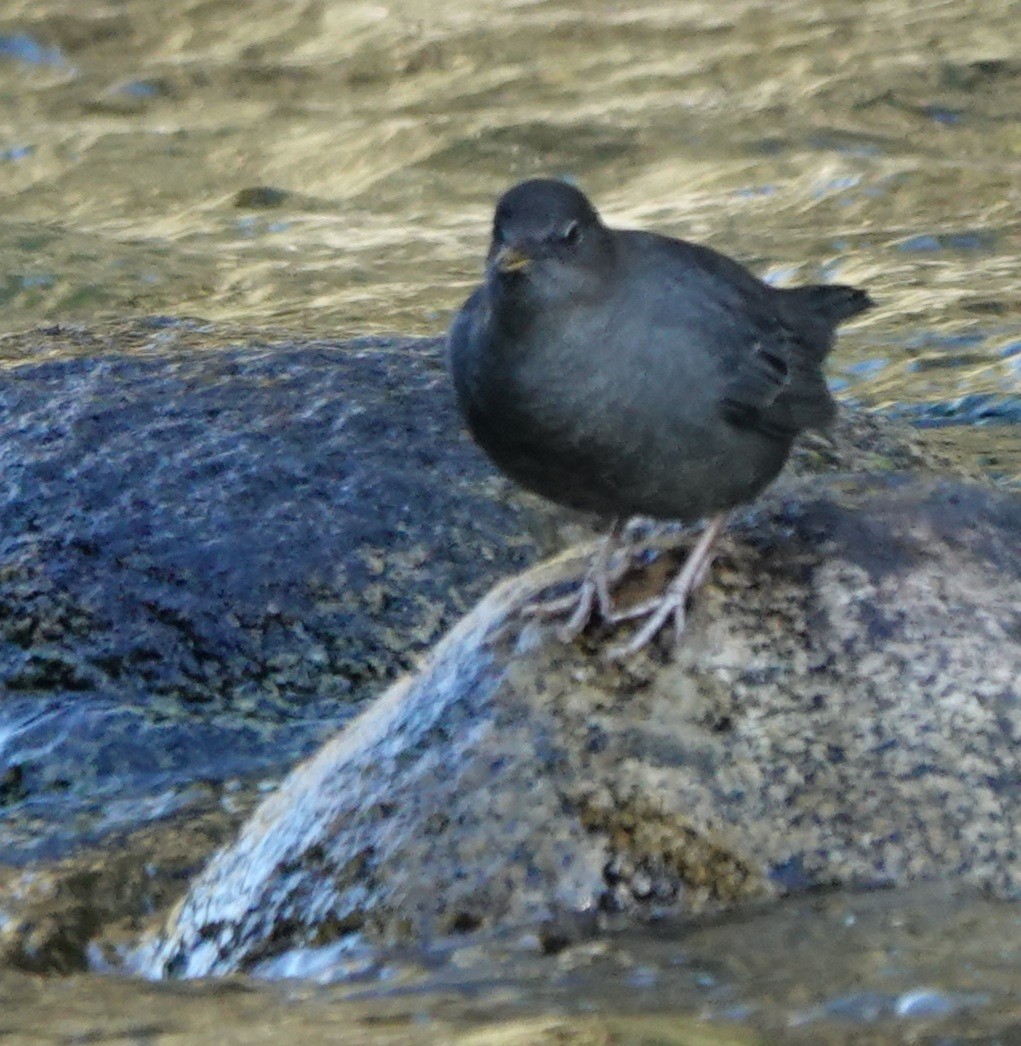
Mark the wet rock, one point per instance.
(213, 546)
(845, 709)
(81, 912)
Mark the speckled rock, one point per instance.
(79, 912)
(845, 709)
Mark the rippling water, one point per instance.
(331, 166)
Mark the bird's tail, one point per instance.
(831, 302)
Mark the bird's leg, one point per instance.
(673, 602)
(593, 593)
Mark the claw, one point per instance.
(594, 593)
(673, 603)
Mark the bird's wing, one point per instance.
(769, 374)
(777, 387)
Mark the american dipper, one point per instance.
(627, 373)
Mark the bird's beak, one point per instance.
(511, 259)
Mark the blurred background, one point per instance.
(330, 166)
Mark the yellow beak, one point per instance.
(512, 259)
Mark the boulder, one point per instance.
(844, 709)
(214, 545)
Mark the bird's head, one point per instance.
(548, 243)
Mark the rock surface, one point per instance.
(213, 546)
(844, 709)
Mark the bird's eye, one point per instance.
(570, 233)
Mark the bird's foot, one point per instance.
(672, 604)
(593, 595)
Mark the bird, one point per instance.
(628, 373)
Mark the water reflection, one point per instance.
(874, 143)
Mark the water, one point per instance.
(330, 167)
(922, 966)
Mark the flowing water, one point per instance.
(919, 966)
(329, 166)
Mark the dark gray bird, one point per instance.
(627, 373)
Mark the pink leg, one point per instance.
(593, 594)
(674, 600)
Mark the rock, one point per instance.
(83, 911)
(844, 710)
(213, 545)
